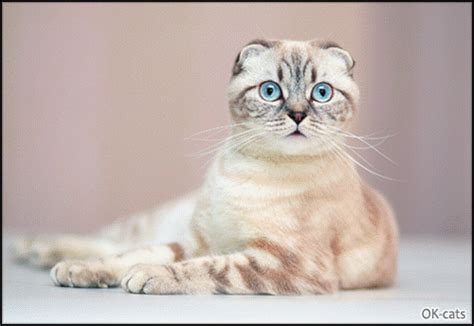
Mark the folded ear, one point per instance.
(344, 55)
(252, 49)
(337, 51)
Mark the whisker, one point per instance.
(223, 141)
(340, 158)
(215, 129)
(361, 157)
(247, 142)
(230, 141)
(366, 147)
(350, 135)
(366, 137)
(275, 122)
(370, 137)
(204, 139)
(337, 148)
(233, 145)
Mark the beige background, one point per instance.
(99, 98)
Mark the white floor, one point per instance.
(432, 274)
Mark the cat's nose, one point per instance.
(297, 116)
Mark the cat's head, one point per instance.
(294, 95)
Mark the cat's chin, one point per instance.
(296, 144)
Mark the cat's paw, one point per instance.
(39, 253)
(83, 274)
(150, 279)
(20, 248)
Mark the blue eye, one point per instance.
(322, 92)
(270, 91)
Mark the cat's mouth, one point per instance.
(297, 133)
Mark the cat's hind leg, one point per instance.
(46, 251)
(164, 224)
(161, 236)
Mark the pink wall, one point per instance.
(99, 98)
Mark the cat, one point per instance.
(282, 210)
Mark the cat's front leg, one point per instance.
(265, 268)
(84, 274)
(108, 271)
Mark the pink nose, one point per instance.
(297, 116)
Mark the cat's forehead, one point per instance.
(296, 56)
(287, 45)
(286, 49)
(298, 52)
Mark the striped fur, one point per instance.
(275, 215)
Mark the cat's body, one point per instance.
(279, 212)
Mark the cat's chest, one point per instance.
(242, 211)
(251, 199)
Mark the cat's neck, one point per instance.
(328, 164)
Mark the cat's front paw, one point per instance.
(151, 279)
(83, 274)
